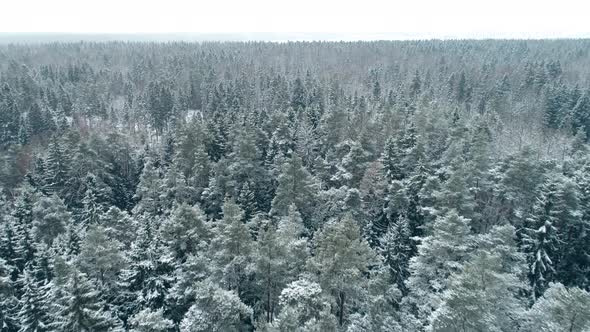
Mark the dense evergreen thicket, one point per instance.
(366, 186)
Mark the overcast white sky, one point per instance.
(442, 18)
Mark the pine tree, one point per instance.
(270, 268)
(175, 189)
(50, 218)
(560, 309)
(518, 185)
(439, 256)
(571, 265)
(373, 189)
(391, 158)
(415, 85)
(217, 138)
(304, 305)
(352, 165)
(479, 297)
(25, 243)
(87, 171)
(486, 294)
(307, 145)
(298, 101)
(341, 260)
(100, 258)
(149, 320)
(455, 194)
(119, 226)
(247, 201)
(215, 309)
(291, 234)
(36, 121)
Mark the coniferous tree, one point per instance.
(291, 234)
(56, 167)
(480, 297)
(341, 260)
(8, 301)
(149, 320)
(303, 305)
(270, 265)
(231, 249)
(145, 280)
(195, 268)
(100, 257)
(486, 293)
(215, 309)
(295, 186)
(341, 189)
(560, 309)
(148, 191)
(186, 232)
(10, 117)
(439, 256)
(396, 247)
(34, 307)
(79, 307)
(201, 171)
(556, 218)
(50, 218)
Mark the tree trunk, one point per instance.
(341, 309)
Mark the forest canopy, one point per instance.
(298, 186)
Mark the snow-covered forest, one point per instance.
(297, 186)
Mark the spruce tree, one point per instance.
(396, 247)
(147, 193)
(231, 248)
(57, 166)
(78, 307)
(145, 280)
(556, 218)
(10, 115)
(186, 232)
(9, 319)
(295, 186)
(34, 305)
